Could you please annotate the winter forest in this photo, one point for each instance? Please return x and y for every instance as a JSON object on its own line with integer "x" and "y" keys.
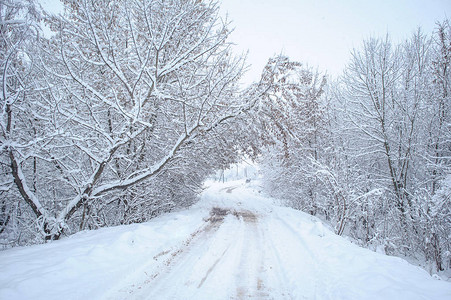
{"x": 128, "y": 106}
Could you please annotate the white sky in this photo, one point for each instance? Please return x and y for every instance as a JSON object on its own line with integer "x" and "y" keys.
{"x": 322, "y": 33}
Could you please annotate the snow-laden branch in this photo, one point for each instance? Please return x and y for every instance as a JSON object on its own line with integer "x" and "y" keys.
{"x": 142, "y": 175}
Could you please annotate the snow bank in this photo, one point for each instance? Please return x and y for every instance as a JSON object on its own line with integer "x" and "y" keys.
{"x": 89, "y": 263}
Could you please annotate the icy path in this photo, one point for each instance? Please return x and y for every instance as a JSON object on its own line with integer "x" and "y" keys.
{"x": 234, "y": 244}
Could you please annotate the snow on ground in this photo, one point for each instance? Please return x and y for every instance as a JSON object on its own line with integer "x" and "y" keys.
{"x": 234, "y": 244}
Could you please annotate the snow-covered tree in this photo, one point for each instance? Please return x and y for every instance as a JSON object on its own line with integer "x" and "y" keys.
{"x": 293, "y": 127}
{"x": 19, "y": 32}
{"x": 369, "y": 153}
{"x": 124, "y": 114}
{"x": 393, "y": 98}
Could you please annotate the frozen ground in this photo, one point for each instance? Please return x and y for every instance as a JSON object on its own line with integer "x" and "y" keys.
{"x": 234, "y": 244}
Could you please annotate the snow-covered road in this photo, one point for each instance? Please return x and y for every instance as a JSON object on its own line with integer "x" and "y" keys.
{"x": 232, "y": 257}
{"x": 234, "y": 244}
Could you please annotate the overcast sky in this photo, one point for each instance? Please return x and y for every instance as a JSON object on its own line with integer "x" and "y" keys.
{"x": 322, "y": 33}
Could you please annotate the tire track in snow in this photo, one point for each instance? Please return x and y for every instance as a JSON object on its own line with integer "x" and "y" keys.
{"x": 212, "y": 268}
{"x": 163, "y": 262}
{"x": 190, "y": 276}
{"x": 327, "y": 287}
{"x": 305, "y": 281}
{"x": 259, "y": 275}
{"x": 249, "y": 282}
{"x": 275, "y": 268}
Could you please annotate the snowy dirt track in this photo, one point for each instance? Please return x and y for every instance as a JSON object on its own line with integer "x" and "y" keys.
{"x": 234, "y": 244}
